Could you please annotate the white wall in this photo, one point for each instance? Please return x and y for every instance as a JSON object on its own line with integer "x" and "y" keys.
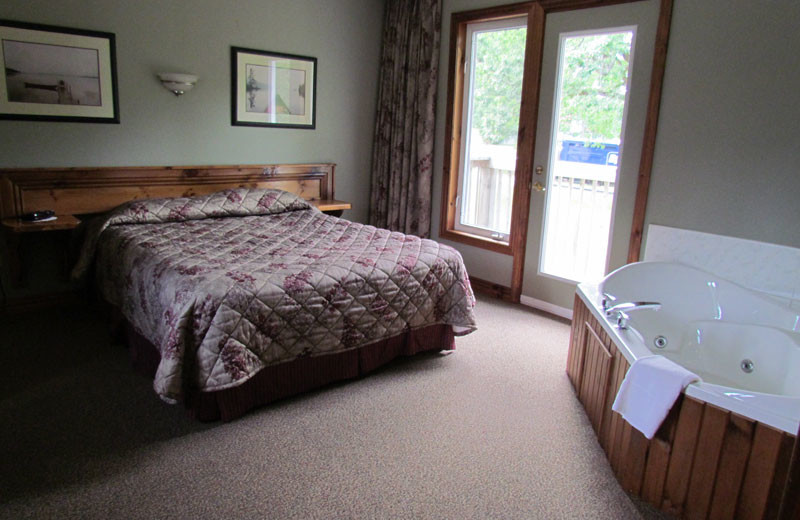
{"x": 179, "y": 36}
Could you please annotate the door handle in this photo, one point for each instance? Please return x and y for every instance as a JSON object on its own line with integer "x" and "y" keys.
{"x": 538, "y": 186}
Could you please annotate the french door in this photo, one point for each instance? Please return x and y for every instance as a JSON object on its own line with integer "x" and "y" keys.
{"x": 595, "y": 81}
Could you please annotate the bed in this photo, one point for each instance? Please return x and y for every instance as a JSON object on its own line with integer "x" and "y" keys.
{"x": 234, "y": 298}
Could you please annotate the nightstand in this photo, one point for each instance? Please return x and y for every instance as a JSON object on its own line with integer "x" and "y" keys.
{"x": 62, "y": 222}
{"x": 15, "y": 228}
{"x": 331, "y": 206}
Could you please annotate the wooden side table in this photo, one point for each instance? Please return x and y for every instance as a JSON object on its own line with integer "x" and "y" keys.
{"x": 62, "y": 222}
{"x": 331, "y": 206}
{"x": 15, "y": 228}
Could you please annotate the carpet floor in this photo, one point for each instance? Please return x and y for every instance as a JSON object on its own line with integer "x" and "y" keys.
{"x": 492, "y": 430}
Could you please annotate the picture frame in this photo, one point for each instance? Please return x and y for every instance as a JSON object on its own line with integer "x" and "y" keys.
{"x": 273, "y": 89}
{"x": 57, "y": 74}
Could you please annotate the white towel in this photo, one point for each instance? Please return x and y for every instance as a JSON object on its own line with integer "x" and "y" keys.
{"x": 649, "y": 390}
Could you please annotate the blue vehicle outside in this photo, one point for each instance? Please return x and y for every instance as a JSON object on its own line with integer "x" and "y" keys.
{"x": 589, "y": 152}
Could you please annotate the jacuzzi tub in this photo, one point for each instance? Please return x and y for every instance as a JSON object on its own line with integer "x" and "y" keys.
{"x": 744, "y": 346}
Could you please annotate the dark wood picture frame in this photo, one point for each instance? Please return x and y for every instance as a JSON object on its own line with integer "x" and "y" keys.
{"x": 259, "y": 97}
{"x": 71, "y": 74}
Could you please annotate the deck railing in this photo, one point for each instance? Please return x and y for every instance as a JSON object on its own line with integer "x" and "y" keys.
{"x": 492, "y": 191}
{"x": 581, "y": 199}
{"x": 579, "y": 219}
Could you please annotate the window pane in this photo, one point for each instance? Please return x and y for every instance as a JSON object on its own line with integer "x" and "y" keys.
{"x": 495, "y": 91}
{"x": 583, "y": 161}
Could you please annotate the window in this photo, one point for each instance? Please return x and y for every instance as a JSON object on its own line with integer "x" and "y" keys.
{"x": 495, "y": 54}
{"x": 487, "y": 61}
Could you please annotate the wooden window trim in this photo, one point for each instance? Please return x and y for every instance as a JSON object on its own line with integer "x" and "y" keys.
{"x": 455, "y": 105}
{"x": 476, "y": 240}
{"x": 536, "y": 12}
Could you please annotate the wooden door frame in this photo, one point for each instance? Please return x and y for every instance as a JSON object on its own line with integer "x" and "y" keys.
{"x": 522, "y": 188}
{"x": 529, "y": 111}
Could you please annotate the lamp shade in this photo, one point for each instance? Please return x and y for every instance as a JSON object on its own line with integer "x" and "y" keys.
{"x": 176, "y": 82}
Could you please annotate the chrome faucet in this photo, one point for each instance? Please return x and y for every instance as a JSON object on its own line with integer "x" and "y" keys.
{"x": 622, "y": 309}
{"x": 607, "y": 300}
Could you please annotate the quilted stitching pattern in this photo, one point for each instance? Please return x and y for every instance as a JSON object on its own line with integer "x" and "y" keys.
{"x": 224, "y": 297}
{"x": 235, "y": 202}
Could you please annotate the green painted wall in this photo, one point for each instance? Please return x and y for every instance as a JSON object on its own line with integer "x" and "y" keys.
{"x": 726, "y": 161}
{"x": 727, "y": 158}
{"x": 195, "y": 36}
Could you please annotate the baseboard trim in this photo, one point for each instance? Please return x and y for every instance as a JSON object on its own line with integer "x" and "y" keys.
{"x": 504, "y": 293}
{"x": 542, "y": 305}
{"x": 490, "y": 288}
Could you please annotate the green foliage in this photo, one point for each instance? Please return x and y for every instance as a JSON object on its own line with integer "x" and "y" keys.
{"x": 497, "y": 84}
{"x": 594, "y": 85}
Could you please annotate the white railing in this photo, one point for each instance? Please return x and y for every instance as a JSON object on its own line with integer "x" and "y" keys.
{"x": 488, "y": 196}
{"x": 578, "y": 221}
{"x": 579, "y": 214}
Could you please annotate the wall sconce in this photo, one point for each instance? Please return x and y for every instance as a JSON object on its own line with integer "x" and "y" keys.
{"x": 177, "y": 83}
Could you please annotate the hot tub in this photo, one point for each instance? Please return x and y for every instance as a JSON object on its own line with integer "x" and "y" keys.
{"x": 722, "y": 452}
{"x": 744, "y": 346}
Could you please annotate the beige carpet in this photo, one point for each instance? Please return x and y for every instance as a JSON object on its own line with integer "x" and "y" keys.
{"x": 490, "y": 431}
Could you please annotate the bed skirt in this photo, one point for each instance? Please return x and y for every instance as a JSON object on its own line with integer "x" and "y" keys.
{"x": 293, "y": 377}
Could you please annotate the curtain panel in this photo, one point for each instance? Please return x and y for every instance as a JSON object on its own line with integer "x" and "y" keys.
{"x": 402, "y": 154}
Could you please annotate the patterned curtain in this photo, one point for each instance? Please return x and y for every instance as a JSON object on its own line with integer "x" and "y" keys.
{"x": 402, "y": 155}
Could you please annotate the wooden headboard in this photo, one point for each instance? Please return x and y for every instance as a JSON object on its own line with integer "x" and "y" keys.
{"x": 81, "y": 191}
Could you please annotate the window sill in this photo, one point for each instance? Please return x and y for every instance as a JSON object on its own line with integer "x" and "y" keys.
{"x": 476, "y": 241}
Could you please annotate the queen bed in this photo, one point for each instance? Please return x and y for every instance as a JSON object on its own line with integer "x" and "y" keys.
{"x": 238, "y": 296}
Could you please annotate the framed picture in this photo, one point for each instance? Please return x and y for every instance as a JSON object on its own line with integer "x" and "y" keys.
{"x": 57, "y": 74}
{"x": 272, "y": 89}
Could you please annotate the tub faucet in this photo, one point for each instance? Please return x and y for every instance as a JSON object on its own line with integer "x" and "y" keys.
{"x": 607, "y": 300}
{"x": 621, "y": 310}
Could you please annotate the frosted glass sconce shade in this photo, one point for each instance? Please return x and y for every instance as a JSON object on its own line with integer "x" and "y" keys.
{"x": 177, "y": 83}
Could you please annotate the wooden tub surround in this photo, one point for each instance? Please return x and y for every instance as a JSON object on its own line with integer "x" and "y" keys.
{"x": 704, "y": 462}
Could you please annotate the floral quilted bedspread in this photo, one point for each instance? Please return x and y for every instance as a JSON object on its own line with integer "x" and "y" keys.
{"x": 228, "y": 283}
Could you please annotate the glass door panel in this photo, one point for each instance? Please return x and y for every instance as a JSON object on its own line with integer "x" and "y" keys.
{"x": 595, "y": 79}
{"x": 589, "y": 112}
